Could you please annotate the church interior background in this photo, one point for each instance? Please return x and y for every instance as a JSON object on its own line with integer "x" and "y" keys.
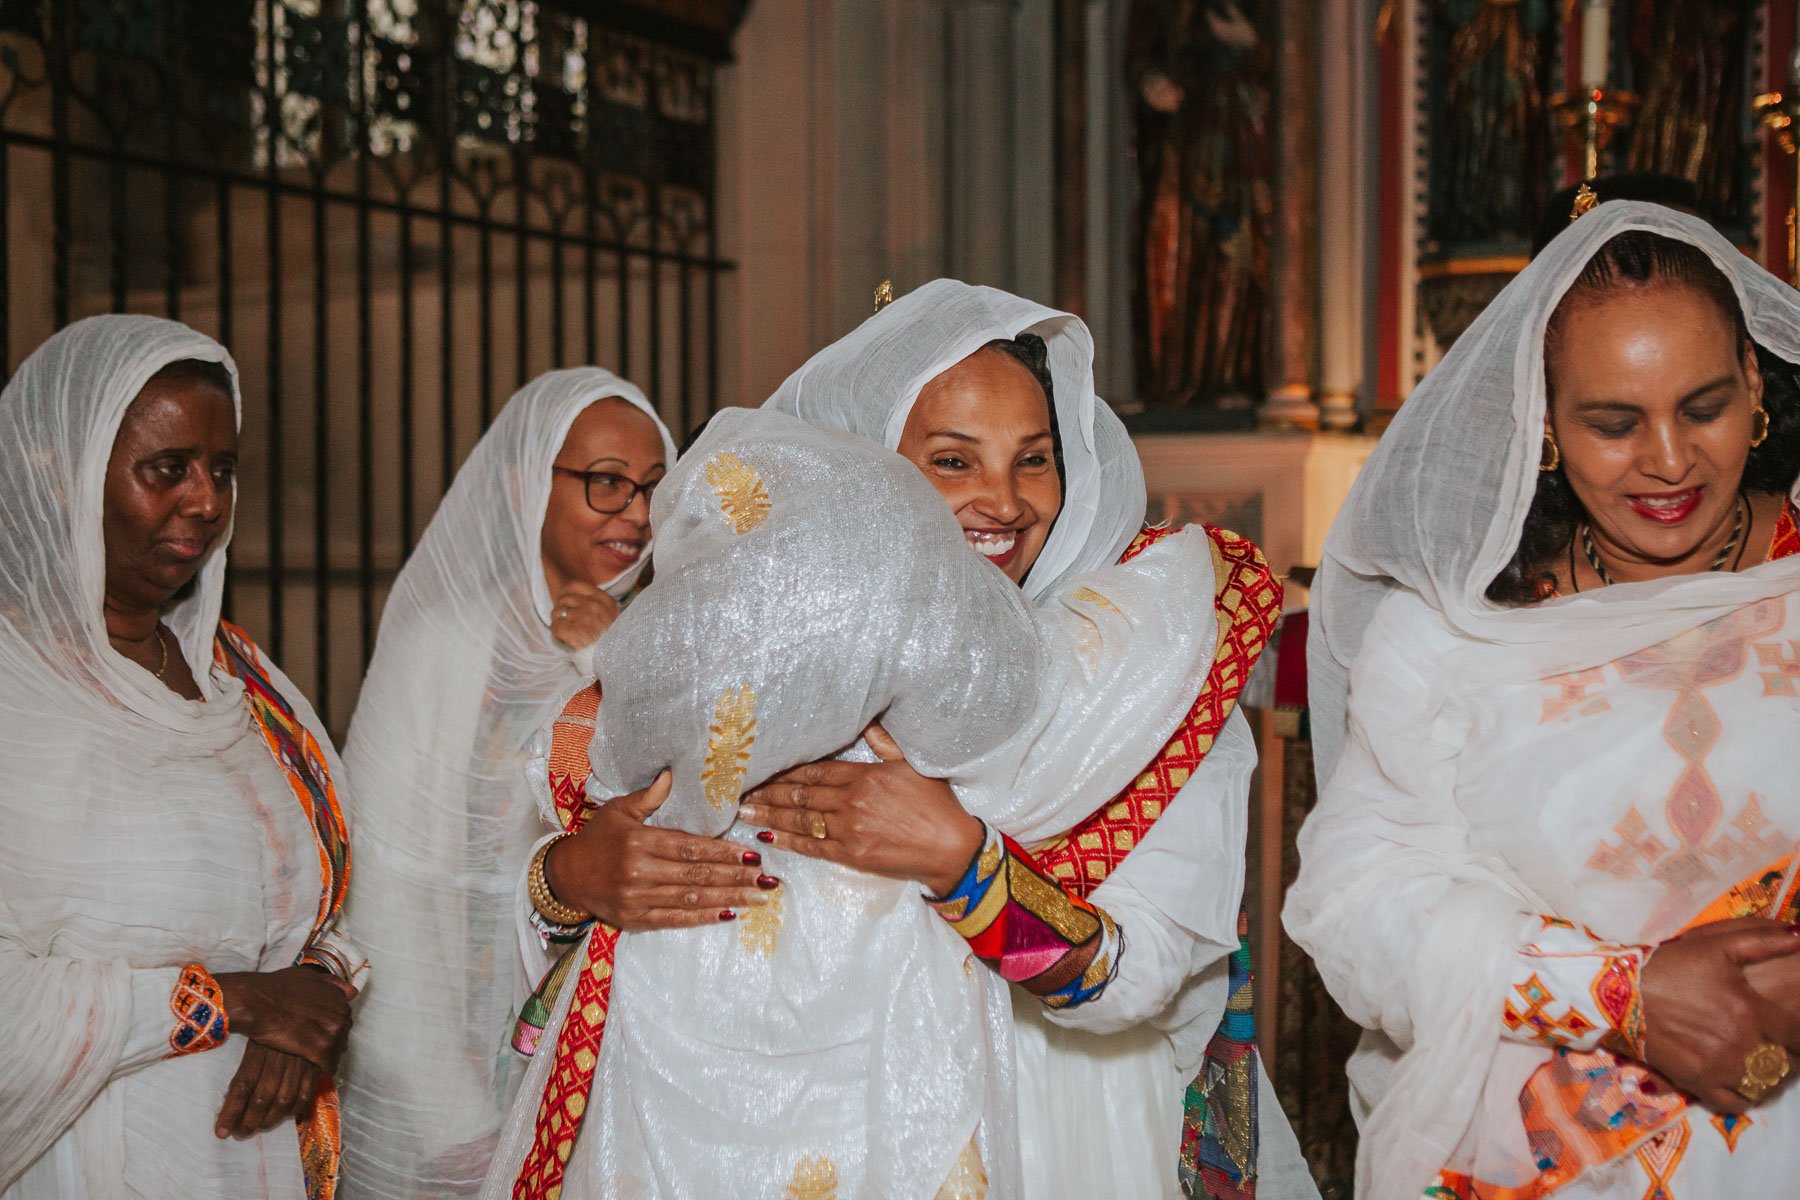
{"x": 1274, "y": 215}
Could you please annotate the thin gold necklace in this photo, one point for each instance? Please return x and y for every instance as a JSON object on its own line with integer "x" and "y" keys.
{"x": 1718, "y": 564}
{"x": 163, "y": 643}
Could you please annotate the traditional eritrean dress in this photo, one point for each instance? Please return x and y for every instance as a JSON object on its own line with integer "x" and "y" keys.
{"x": 447, "y": 744}
{"x": 1181, "y": 892}
{"x": 1520, "y": 803}
{"x": 151, "y": 841}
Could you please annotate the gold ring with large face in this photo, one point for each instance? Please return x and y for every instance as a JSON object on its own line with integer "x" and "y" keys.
{"x": 818, "y": 826}
{"x": 1764, "y": 1067}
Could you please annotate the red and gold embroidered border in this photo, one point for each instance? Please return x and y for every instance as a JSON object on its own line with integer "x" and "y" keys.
{"x": 1247, "y": 598}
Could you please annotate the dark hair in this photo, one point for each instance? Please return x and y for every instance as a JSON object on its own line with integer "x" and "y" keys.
{"x": 692, "y": 437}
{"x": 1638, "y": 258}
{"x": 1030, "y": 352}
{"x": 196, "y": 372}
{"x": 1671, "y": 191}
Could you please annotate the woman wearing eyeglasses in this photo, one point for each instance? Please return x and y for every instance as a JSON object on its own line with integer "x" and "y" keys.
{"x": 484, "y": 641}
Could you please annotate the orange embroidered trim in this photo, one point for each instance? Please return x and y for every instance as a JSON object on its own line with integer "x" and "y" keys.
{"x": 298, "y": 753}
{"x": 1247, "y": 597}
{"x": 199, "y": 1007}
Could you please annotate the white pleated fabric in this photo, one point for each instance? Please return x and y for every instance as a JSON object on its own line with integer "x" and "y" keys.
{"x": 867, "y": 382}
{"x": 1086, "y": 1075}
{"x": 453, "y": 715}
{"x": 1462, "y": 796}
{"x": 143, "y": 831}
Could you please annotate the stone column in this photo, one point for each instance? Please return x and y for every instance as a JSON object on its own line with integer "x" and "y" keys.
{"x": 1343, "y": 170}
{"x": 1294, "y": 261}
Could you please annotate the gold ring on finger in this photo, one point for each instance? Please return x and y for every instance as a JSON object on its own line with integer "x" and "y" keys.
{"x": 1764, "y": 1067}
{"x": 818, "y": 826}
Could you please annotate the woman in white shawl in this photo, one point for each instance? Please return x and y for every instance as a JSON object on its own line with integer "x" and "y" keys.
{"x": 1554, "y": 704}
{"x": 1048, "y": 496}
{"x": 175, "y": 985}
{"x": 486, "y": 637}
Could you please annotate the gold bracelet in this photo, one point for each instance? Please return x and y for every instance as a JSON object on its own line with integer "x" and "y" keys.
{"x": 537, "y": 886}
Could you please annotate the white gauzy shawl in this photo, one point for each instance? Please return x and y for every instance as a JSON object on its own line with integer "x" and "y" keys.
{"x": 143, "y": 831}
{"x": 1116, "y": 1074}
{"x": 464, "y": 685}
{"x": 1449, "y": 793}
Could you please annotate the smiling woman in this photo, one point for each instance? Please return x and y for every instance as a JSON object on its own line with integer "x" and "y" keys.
{"x": 1553, "y": 866}
{"x": 1670, "y": 440}
{"x": 981, "y": 432}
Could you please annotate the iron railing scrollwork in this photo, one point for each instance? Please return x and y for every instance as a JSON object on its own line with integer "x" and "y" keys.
{"x": 394, "y": 212}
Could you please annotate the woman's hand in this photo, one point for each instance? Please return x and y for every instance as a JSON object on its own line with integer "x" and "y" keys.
{"x": 883, "y": 817}
{"x": 635, "y": 877}
{"x": 580, "y": 614}
{"x": 1703, "y": 1017}
{"x": 302, "y": 1011}
{"x": 270, "y": 1087}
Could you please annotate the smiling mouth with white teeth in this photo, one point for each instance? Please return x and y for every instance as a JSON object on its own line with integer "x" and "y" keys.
{"x": 625, "y": 549}
{"x": 995, "y": 545}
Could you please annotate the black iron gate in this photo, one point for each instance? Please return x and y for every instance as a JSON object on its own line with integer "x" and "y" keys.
{"x": 393, "y": 212}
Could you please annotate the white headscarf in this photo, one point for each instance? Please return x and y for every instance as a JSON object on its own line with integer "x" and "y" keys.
{"x": 465, "y": 682}
{"x": 867, "y": 382}
{"x": 143, "y": 830}
{"x": 1440, "y": 506}
{"x": 1431, "y": 521}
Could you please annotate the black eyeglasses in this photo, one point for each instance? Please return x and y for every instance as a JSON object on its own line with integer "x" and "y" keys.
{"x": 609, "y": 493}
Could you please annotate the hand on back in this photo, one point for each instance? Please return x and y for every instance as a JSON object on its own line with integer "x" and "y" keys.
{"x": 634, "y": 876}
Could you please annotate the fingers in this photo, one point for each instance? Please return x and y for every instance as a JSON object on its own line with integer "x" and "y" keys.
{"x": 237, "y": 1094}
{"x": 648, "y": 871}
{"x": 689, "y": 849}
{"x": 824, "y": 849}
{"x": 1755, "y": 945}
{"x": 265, "y": 1090}
{"x": 796, "y": 822}
{"x": 309, "y": 1089}
{"x": 884, "y": 746}
{"x": 708, "y": 900}
{"x": 684, "y": 918}
{"x": 818, "y": 795}
{"x": 827, "y": 772}
{"x": 640, "y": 805}
{"x": 1778, "y": 1025}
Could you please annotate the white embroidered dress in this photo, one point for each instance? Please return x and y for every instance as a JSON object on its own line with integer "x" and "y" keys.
{"x": 143, "y": 831}
{"x": 1617, "y": 759}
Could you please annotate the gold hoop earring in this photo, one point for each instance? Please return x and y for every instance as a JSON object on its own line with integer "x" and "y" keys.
{"x": 1761, "y": 418}
{"x": 1550, "y": 457}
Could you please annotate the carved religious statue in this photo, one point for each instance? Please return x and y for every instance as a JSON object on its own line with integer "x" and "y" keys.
{"x": 1202, "y": 72}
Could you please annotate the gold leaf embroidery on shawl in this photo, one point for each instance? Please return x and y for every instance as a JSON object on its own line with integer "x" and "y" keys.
{"x": 1088, "y": 595}
{"x": 742, "y": 498}
{"x": 968, "y": 1178}
{"x": 760, "y": 923}
{"x": 733, "y": 732}
{"x": 815, "y": 1178}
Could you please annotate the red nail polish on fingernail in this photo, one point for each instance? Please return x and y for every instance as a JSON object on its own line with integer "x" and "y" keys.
{"x": 725, "y": 914}
{"x": 763, "y": 835}
{"x": 752, "y": 859}
{"x": 1648, "y": 1087}
{"x": 767, "y": 883}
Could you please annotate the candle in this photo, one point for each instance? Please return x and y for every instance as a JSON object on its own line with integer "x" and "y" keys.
{"x": 1596, "y": 40}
